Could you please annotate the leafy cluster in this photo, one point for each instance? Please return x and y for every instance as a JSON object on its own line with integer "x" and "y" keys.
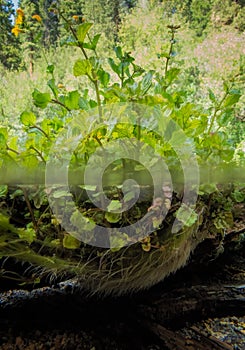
{"x": 119, "y": 80}
{"x": 126, "y": 82}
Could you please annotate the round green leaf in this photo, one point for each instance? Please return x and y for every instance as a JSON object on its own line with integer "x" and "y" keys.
{"x": 28, "y": 118}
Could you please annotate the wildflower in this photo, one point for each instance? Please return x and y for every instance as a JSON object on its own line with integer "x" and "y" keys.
{"x": 16, "y": 30}
{"x": 20, "y": 12}
{"x": 19, "y": 20}
{"x": 75, "y": 17}
{"x": 20, "y": 16}
{"x": 99, "y": 135}
{"x": 37, "y": 17}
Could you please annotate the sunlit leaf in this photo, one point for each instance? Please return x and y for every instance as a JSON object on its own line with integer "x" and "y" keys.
{"x": 82, "y": 31}
{"x": 70, "y": 242}
{"x": 82, "y": 67}
{"x": 28, "y": 118}
{"x": 114, "y": 206}
{"x": 231, "y": 100}
{"x": 113, "y": 217}
{"x": 41, "y": 99}
{"x": 186, "y": 215}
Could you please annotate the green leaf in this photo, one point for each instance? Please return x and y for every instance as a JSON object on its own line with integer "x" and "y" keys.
{"x": 16, "y": 193}
{"x": 81, "y": 222}
{"x": 207, "y": 188}
{"x": 118, "y": 51}
{"x": 231, "y": 100}
{"x": 72, "y": 100}
{"x": 82, "y": 67}
{"x": 89, "y": 187}
{"x": 114, "y": 66}
{"x": 4, "y": 132}
{"x": 153, "y": 100}
{"x": 28, "y": 118}
{"x": 3, "y": 190}
{"x": 51, "y": 84}
{"x": 82, "y": 31}
{"x": 27, "y": 234}
{"x": 104, "y": 77}
{"x": 147, "y": 81}
{"x": 178, "y": 138}
{"x": 172, "y": 74}
{"x": 118, "y": 241}
{"x": 114, "y": 206}
{"x": 211, "y": 95}
{"x": 225, "y": 86}
{"x": 61, "y": 194}
{"x": 83, "y": 103}
{"x": 41, "y": 99}
{"x": 70, "y": 242}
{"x": 225, "y": 117}
{"x": 2, "y": 141}
{"x": 93, "y": 44}
{"x": 113, "y": 217}
{"x": 50, "y": 69}
{"x": 138, "y": 71}
{"x": 157, "y": 221}
{"x": 186, "y": 215}
{"x": 70, "y": 41}
{"x": 238, "y": 196}
{"x": 163, "y": 54}
{"x": 129, "y": 196}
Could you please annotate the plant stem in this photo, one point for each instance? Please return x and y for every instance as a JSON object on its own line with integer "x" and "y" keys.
{"x": 216, "y": 110}
{"x": 91, "y": 43}
{"x": 94, "y": 79}
{"x": 170, "y": 51}
{"x": 173, "y": 29}
{"x": 40, "y": 129}
{"x": 138, "y": 129}
{"x": 60, "y": 104}
{"x": 29, "y": 208}
{"x": 99, "y": 142}
{"x": 98, "y": 98}
{"x": 12, "y": 150}
{"x": 38, "y": 153}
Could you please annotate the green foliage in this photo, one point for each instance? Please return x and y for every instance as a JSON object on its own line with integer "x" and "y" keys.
{"x": 132, "y": 83}
{"x": 95, "y": 84}
{"x": 200, "y": 15}
{"x": 187, "y": 215}
{"x": 230, "y": 13}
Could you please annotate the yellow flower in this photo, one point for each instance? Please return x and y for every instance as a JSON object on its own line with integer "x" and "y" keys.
{"x": 16, "y": 30}
{"x": 20, "y": 12}
{"x": 99, "y": 135}
{"x": 75, "y": 17}
{"x": 19, "y": 20}
{"x": 20, "y": 16}
{"x": 37, "y": 17}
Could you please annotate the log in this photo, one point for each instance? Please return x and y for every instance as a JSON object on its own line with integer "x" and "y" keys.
{"x": 170, "y": 303}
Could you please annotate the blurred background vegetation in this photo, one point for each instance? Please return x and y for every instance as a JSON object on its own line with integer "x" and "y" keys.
{"x": 209, "y": 48}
